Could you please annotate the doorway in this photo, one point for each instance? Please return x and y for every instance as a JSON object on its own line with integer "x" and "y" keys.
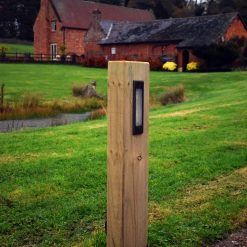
{"x": 186, "y": 59}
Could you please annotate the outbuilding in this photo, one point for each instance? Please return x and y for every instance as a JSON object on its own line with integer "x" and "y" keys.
{"x": 158, "y": 41}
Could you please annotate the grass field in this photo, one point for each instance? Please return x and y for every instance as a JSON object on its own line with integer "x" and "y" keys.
{"x": 56, "y": 81}
{"x": 53, "y": 181}
{"x": 51, "y": 81}
{"x": 17, "y": 48}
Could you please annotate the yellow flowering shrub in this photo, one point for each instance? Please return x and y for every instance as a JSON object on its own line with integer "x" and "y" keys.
{"x": 170, "y": 66}
{"x": 3, "y": 51}
{"x": 193, "y": 66}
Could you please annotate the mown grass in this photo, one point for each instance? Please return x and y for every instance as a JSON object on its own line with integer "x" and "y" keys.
{"x": 17, "y": 48}
{"x": 56, "y": 81}
{"x": 53, "y": 181}
{"x": 52, "y": 82}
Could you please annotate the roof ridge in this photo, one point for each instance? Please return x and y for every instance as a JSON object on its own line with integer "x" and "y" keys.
{"x": 201, "y": 16}
{"x": 177, "y": 18}
{"x": 119, "y": 6}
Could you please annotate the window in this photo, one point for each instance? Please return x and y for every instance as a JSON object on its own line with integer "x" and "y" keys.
{"x": 113, "y": 50}
{"x": 53, "y": 26}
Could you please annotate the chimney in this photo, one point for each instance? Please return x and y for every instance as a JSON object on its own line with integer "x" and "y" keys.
{"x": 95, "y": 32}
{"x": 96, "y": 16}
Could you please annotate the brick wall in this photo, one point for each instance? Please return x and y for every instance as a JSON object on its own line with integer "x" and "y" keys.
{"x": 41, "y": 29}
{"x": 43, "y": 35}
{"x": 74, "y": 41}
{"x": 236, "y": 28}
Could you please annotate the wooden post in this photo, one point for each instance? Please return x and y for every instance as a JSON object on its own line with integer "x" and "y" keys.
{"x": 2, "y": 98}
{"x": 127, "y": 170}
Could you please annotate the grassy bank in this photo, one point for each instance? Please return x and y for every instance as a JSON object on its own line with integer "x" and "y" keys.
{"x": 53, "y": 181}
{"x": 17, "y": 48}
{"x": 52, "y": 82}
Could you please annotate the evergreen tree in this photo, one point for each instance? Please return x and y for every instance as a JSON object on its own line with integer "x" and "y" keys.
{"x": 17, "y": 18}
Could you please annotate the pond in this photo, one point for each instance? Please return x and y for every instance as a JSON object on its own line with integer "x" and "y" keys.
{"x": 61, "y": 119}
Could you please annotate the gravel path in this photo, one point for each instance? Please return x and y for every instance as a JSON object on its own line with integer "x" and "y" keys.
{"x": 61, "y": 119}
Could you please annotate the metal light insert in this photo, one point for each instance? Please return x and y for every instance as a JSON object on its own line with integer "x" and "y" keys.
{"x": 138, "y": 100}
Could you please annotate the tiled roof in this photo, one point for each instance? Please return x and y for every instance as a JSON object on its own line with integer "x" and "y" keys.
{"x": 186, "y": 32}
{"x": 78, "y": 13}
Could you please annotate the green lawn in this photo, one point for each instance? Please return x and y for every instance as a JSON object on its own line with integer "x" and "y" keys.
{"x": 56, "y": 81}
{"x": 53, "y": 181}
{"x": 17, "y": 48}
{"x": 51, "y": 81}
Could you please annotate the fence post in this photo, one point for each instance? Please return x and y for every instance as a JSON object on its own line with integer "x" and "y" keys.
{"x": 2, "y": 98}
{"x": 127, "y": 169}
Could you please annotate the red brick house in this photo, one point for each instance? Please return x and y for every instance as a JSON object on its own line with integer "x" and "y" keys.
{"x": 64, "y": 23}
{"x": 173, "y": 39}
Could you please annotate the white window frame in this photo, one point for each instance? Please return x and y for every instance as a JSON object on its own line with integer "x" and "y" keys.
{"x": 53, "y": 50}
{"x": 113, "y": 50}
{"x": 53, "y": 26}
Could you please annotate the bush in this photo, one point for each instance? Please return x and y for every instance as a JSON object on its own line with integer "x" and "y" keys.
{"x": 3, "y": 51}
{"x": 89, "y": 62}
{"x": 100, "y": 62}
{"x": 174, "y": 95}
{"x": 193, "y": 66}
{"x": 221, "y": 55}
{"x": 62, "y": 49}
{"x": 170, "y": 66}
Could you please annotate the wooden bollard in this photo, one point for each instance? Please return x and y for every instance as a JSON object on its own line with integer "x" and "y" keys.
{"x": 127, "y": 170}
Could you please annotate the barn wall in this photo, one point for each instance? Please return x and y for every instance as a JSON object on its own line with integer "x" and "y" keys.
{"x": 135, "y": 52}
{"x": 236, "y": 29}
